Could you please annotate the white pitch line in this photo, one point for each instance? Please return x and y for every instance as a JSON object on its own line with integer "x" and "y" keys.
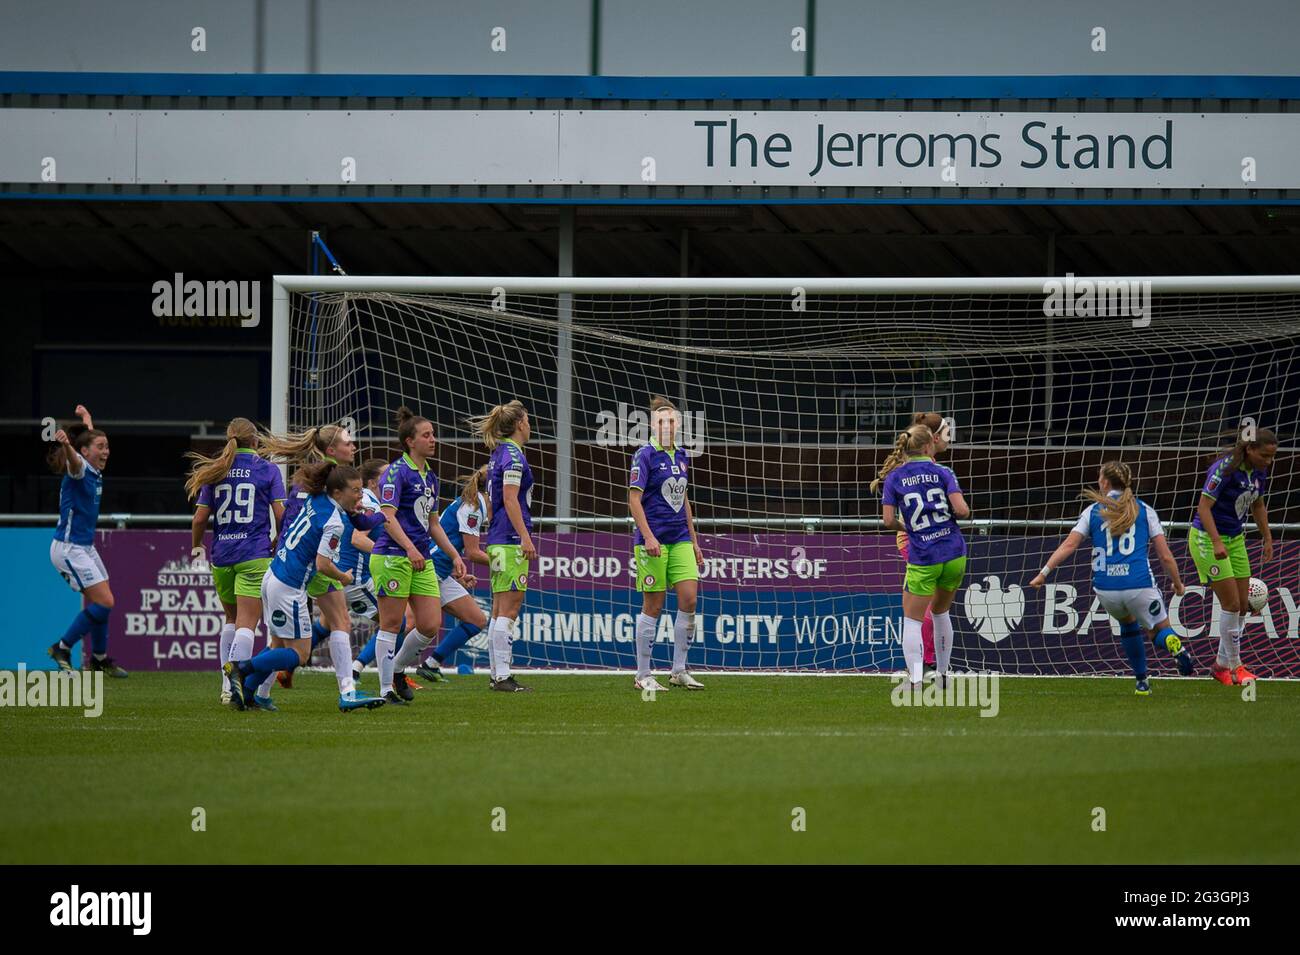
{"x": 574, "y": 730}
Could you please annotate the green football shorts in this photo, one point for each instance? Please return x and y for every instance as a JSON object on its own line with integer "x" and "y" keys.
{"x": 1236, "y": 564}
{"x": 240, "y": 580}
{"x": 393, "y": 576}
{"x": 509, "y": 568}
{"x": 923, "y": 581}
{"x": 675, "y": 563}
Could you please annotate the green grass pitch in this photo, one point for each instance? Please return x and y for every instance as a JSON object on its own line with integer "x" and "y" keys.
{"x": 588, "y": 772}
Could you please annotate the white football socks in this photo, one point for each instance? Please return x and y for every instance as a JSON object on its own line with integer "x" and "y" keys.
{"x": 341, "y": 657}
{"x": 241, "y": 648}
{"x": 264, "y": 691}
{"x": 914, "y": 648}
{"x": 492, "y": 653}
{"x": 1229, "y": 639}
{"x": 501, "y": 627}
{"x": 683, "y": 634}
{"x": 412, "y": 647}
{"x": 942, "y": 641}
{"x": 385, "y": 649}
{"x": 223, "y": 652}
{"x": 645, "y": 639}
{"x": 1239, "y": 627}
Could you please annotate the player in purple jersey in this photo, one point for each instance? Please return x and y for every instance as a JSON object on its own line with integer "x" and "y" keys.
{"x": 1233, "y": 491}
{"x": 399, "y": 564}
{"x": 509, "y": 542}
{"x": 246, "y": 492}
{"x": 80, "y": 455}
{"x": 936, "y": 423}
{"x": 922, "y": 498}
{"x": 665, "y": 547}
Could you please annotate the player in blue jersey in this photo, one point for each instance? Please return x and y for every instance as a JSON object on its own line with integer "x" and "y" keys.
{"x": 664, "y": 544}
{"x": 505, "y": 430}
{"x": 361, "y": 598}
{"x": 1122, "y": 529}
{"x": 308, "y": 546}
{"x": 463, "y": 521}
{"x": 404, "y": 576}
{"x": 1233, "y": 491}
{"x": 923, "y": 498}
{"x": 80, "y": 455}
{"x": 331, "y": 442}
{"x": 246, "y": 492}
{"x": 331, "y": 598}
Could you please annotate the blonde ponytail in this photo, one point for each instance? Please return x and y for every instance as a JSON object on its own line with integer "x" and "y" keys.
{"x": 1119, "y": 513}
{"x": 472, "y": 487}
{"x": 303, "y": 447}
{"x": 240, "y": 433}
{"x": 910, "y": 442}
{"x": 499, "y": 423}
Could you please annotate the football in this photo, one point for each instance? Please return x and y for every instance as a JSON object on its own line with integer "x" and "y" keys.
{"x": 1257, "y": 595}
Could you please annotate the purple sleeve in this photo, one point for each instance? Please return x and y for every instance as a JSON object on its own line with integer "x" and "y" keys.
{"x": 1213, "y": 480}
{"x": 205, "y": 496}
{"x": 366, "y": 521}
{"x": 891, "y": 491}
{"x": 390, "y": 488}
{"x": 640, "y": 473}
{"x": 950, "y": 484}
{"x": 277, "y": 484}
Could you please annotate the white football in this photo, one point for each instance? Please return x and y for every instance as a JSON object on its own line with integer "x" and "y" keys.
{"x": 1257, "y": 595}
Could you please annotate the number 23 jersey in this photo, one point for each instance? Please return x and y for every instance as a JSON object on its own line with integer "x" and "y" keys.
{"x": 920, "y": 489}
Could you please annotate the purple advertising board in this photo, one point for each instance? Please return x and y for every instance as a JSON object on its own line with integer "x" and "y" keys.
{"x": 767, "y": 601}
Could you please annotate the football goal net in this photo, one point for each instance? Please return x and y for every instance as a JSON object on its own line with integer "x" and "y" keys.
{"x": 791, "y": 394}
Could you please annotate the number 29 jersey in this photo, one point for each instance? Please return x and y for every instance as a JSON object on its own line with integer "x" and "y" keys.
{"x": 241, "y": 505}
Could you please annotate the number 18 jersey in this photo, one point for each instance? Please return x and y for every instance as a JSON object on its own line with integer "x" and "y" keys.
{"x": 1119, "y": 563}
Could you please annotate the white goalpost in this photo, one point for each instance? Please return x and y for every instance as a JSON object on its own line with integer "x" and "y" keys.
{"x": 792, "y": 392}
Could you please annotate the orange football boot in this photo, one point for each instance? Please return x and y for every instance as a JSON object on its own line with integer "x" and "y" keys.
{"x": 1223, "y": 674}
{"x": 1243, "y": 676}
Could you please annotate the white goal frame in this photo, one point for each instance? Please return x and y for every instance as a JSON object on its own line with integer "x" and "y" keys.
{"x": 283, "y": 285}
{"x": 567, "y": 331}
